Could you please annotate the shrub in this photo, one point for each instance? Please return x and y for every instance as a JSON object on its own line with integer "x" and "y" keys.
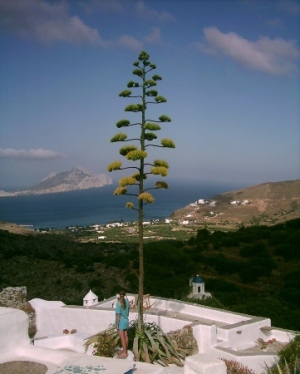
{"x": 105, "y": 345}
{"x": 288, "y": 359}
{"x": 290, "y": 352}
{"x": 288, "y": 251}
{"x": 286, "y": 369}
{"x": 254, "y": 250}
{"x": 95, "y": 282}
{"x": 234, "y": 367}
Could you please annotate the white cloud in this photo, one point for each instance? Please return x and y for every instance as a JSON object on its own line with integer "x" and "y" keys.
{"x": 46, "y": 22}
{"x": 276, "y": 56}
{"x": 32, "y": 154}
{"x": 145, "y": 12}
{"x": 128, "y": 42}
{"x": 154, "y": 37}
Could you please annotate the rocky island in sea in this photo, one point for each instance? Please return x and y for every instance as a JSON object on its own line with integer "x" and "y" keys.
{"x": 78, "y": 178}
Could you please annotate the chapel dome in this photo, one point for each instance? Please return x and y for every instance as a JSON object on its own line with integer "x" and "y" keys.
{"x": 197, "y": 279}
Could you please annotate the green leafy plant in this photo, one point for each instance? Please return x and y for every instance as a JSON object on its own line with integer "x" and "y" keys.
{"x": 291, "y": 351}
{"x": 285, "y": 369}
{"x": 153, "y": 345}
{"x": 288, "y": 359}
{"x": 104, "y": 343}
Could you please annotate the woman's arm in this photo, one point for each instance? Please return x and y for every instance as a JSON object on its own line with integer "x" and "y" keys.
{"x": 118, "y": 316}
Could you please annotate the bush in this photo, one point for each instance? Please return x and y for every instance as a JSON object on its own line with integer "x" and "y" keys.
{"x": 287, "y": 369}
{"x": 95, "y": 282}
{"x": 225, "y": 266}
{"x": 254, "y": 250}
{"x": 288, "y": 359}
{"x": 288, "y": 251}
{"x": 290, "y": 352}
{"x": 234, "y": 367}
{"x": 105, "y": 345}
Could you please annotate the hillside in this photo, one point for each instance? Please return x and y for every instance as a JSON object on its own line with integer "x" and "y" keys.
{"x": 254, "y": 270}
{"x": 267, "y": 203}
{"x": 76, "y": 179}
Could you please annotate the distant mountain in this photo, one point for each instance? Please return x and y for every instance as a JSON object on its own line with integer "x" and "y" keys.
{"x": 266, "y": 203}
{"x": 76, "y": 179}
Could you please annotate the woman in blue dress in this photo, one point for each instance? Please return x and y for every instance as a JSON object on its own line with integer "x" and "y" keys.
{"x": 122, "y": 322}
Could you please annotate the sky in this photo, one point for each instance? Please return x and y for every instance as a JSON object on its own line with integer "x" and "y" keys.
{"x": 230, "y": 74}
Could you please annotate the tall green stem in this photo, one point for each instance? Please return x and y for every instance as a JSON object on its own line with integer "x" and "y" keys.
{"x": 141, "y": 227}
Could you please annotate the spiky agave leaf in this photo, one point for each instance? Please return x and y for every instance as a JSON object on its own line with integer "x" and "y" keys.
{"x": 145, "y": 350}
{"x": 135, "y": 348}
{"x": 176, "y": 361}
{"x": 172, "y": 346}
{"x": 162, "y": 342}
{"x": 154, "y": 345}
{"x": 91, "y": 340}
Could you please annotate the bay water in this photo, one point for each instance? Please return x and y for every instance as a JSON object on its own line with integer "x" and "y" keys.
{"x": 100, "y": 206}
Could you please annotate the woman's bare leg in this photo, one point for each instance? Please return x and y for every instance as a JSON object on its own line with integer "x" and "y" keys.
{"x": 124, "y": 342}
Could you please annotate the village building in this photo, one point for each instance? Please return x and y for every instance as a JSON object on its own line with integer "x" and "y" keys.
{"x": 62, "y": 330}
{"x": 90, "y": 299}
{"x": 198, "y": 288}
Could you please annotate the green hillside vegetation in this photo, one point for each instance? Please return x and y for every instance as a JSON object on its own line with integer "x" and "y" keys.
{"x": 254, "y": 270}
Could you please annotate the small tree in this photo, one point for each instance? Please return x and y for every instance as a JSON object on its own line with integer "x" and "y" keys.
{"x": 138, "y": 152}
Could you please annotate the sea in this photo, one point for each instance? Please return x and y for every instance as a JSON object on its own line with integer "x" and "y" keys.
{"x": 101, "y": 206}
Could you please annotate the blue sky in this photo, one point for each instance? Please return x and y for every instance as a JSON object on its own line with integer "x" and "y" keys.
{"x": 230, "y": 74}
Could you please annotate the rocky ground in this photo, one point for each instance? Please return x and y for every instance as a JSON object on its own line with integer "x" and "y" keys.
{"x": 267, "y": 204}
{"x": 22, "y": 367}
{"x": 16, "y": 229}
